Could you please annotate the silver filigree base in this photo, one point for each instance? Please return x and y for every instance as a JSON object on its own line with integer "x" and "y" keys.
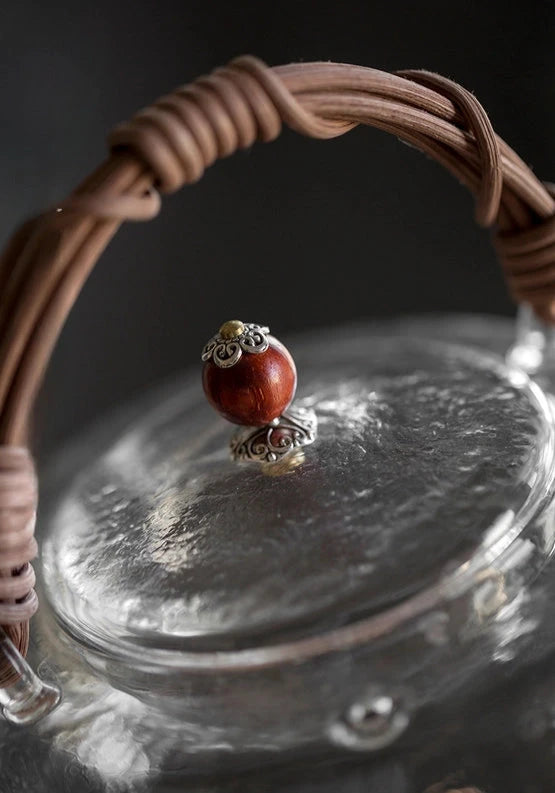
{"x": 295, "y": 428}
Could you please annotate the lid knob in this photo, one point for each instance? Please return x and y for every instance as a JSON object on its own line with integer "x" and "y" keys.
{"x": 250, "y": 378}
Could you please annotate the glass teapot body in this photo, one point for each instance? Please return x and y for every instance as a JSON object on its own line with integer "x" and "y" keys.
{"x": 200, "y": 611}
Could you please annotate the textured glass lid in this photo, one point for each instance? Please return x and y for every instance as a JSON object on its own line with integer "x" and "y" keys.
{"x": 421, "y": 447}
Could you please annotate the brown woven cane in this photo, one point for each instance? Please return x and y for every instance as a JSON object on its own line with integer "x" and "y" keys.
{"x": 169, "y": 144}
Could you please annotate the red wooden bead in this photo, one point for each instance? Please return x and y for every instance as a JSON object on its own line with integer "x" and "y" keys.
{"x": 256, "y": 389}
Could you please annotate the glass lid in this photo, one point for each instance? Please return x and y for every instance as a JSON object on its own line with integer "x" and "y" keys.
{"x": 426, "y": 454}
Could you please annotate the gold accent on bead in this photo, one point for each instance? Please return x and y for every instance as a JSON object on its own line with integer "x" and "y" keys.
{"x": 231, "y": 329}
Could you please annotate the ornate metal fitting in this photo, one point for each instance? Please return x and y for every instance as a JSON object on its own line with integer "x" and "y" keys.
{"x": 295, "y": 428}
{"x": 232, "y": 340}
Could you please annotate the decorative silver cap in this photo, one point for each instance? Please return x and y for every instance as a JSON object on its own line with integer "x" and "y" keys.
{"x": 232, "y": 340}
{"x": 296, "y": 427}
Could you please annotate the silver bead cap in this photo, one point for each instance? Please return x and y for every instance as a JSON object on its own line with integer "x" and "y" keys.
{"x": 225, "y": 351}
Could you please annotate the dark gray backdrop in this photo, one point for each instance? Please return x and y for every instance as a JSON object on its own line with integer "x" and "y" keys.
{"x": 357, "y": 212}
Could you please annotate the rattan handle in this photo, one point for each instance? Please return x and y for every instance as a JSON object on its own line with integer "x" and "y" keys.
{"x": 170, "y": 144}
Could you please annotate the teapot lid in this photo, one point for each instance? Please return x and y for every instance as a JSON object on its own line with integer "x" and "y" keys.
{"x": 426, "y": 452}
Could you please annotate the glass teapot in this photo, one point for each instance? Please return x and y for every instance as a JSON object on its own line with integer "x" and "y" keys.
{"x": 200, "y": 613}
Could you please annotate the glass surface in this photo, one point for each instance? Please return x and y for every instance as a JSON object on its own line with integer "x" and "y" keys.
{"x": 426, "y": 453}
{"x": 420, "y": 663}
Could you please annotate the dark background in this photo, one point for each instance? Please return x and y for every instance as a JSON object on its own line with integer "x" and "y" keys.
{"x": 297, "y": 234}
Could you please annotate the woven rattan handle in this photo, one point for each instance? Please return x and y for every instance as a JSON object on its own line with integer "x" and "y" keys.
{"x": 170, "y": 144}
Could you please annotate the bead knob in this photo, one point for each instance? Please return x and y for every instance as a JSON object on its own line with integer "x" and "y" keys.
{"x": 249, "y": 377}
